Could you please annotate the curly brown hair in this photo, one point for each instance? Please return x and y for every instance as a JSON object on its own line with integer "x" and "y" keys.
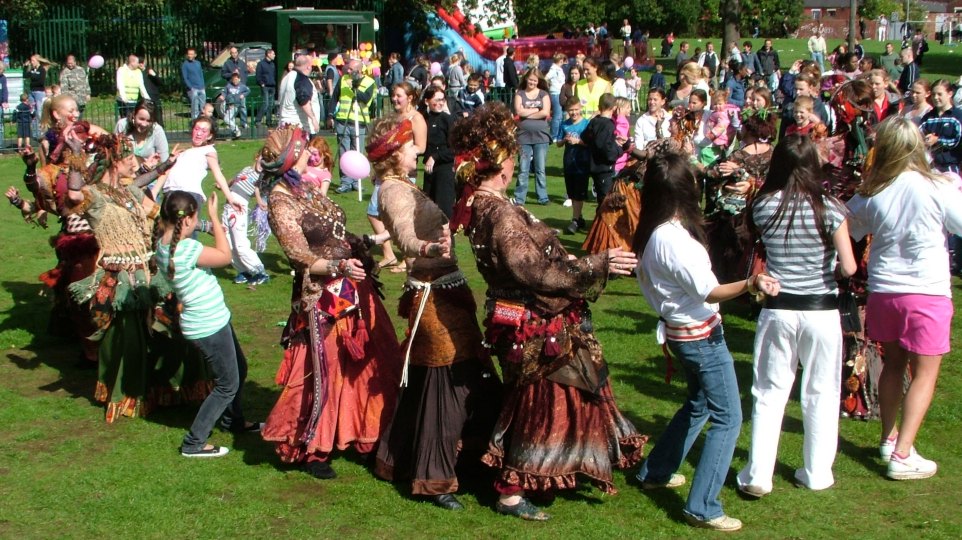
{"x": 391, "y": 165}
{"x": 486, "y": 137}
{"x": 760, "y": 128}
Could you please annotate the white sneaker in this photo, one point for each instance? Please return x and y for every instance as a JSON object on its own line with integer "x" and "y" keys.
{"x": 755, "y": 492}
{"x": 674, "y": 481}
{"x": 721, "y": 523}
{"x": 914, "y": 467}
{"x": 887, "y": 447}
{"x": 567, "y": 203}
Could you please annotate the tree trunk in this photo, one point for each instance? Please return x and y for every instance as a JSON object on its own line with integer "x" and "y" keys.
{"x": 730, "y": 18}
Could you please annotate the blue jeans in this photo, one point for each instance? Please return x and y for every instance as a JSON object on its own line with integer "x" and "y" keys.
{"x": 712, "y": 396}
{"x": 267, "y": 107}
{"x": 556, "y": 116}
{"x": 345, "y": 142}
{"x": 37, "y": 98}
{"x": 538, "y": 153}
{"x": 819, "y": 58}
{"x": 228, "y": 364}
{"x": 197, "y": 97}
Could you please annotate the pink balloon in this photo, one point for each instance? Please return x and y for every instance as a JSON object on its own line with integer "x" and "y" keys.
{"x": 355, "y": 165}
{"x": 96, "y": 62}
{"x": 629, "y": 61}
{"x": 435, "y": 69}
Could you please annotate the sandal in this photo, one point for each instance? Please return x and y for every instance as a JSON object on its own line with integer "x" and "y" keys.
{"x": 387, "y": 263}
{"x": 523, "y": 510}
{"x": 400, "y": 268}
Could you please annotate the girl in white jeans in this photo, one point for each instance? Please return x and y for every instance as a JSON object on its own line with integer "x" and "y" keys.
{"x": 802, "y": 229}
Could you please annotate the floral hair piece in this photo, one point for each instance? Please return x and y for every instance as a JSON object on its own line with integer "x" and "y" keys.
{"x": 388, "y": 143}
{"x": 762, "y": 114}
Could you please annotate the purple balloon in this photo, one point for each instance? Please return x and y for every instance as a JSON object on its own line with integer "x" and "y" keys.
{"x": 629, "y": 61}
{"x": 435, "y": 69}
{"x": 355, "y": 165}
{"x": 96, "y": 62}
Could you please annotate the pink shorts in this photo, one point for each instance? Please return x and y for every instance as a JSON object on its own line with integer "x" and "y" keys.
{"x": 919, "y": 323}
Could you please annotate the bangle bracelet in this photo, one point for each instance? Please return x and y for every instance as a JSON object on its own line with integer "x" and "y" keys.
{"x": 16, "y": 201}
{"x": 751, "y": 284}
{"x": 333, "y": 266}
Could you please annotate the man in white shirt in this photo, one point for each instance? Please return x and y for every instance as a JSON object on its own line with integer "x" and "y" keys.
{"x": 817, "y": 48}
{"x": 297, "y": 98}
{"x": 882, "y": 30}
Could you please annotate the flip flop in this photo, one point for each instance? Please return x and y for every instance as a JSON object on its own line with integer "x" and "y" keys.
{"x": 387, "y": 263}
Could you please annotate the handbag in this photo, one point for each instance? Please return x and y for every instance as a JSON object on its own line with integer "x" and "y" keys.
{"x": 508, "y": 313}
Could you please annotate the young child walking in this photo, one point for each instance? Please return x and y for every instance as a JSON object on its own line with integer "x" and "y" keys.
{"x": 23, "y": 115}
{"x": 205, "y": 319}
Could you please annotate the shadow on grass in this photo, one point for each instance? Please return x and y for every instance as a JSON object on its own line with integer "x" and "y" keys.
{"x": 51, "y": 343}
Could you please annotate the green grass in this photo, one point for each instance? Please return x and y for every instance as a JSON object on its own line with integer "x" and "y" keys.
{"x": 65, "y": 473}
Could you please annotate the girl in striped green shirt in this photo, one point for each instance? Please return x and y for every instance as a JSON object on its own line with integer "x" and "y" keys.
{"x": 205, "y": 319}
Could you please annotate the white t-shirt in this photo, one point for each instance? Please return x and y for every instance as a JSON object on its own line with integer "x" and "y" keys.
{"x": 646, "y": 129}
{"x": 288, "y": 109}
{"x": 908, "y": 222}
{"x": 189, "y": 171}
{"x": 619, "y": 88}
{"x": 676, "y": 276}
{"x": 556, "y": 79}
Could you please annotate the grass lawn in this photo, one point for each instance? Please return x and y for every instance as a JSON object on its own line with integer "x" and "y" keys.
{"x": 65, "y": 473}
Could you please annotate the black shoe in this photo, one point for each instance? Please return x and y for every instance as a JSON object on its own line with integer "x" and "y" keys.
{"x": 320, "y": 469}
{"x": 447, "y": 501}
{"x": 254, "y": 427}
{"x": 582, "y": 224}
{"x": 572, "y": 227}
{"x": 212, "y": 452}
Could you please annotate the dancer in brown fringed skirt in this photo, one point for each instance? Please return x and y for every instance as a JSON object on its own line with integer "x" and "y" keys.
{"x": 451, "y": 394}
{"x": 559, "y": 419}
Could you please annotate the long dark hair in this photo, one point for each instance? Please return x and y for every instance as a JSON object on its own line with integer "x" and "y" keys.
{"x": 177, "y": 206}
{"x": 669, "y": 191}
{"x": 797, "y": 178}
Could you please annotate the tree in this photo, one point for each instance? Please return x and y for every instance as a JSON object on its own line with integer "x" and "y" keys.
{"x": 730, "y": 20}
{"x": 536, "y": 16}
{"x": 770, "y": 14}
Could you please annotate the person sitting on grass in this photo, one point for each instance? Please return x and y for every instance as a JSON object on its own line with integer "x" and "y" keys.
{"x": 205, "y": 319}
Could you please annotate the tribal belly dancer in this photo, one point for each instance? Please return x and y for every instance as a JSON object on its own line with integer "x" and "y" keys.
{"x": 133, "y": 375}
{"x": 559, "y": 418}
{"x": 451, "y": 393}
{"x": 342, "y": 360}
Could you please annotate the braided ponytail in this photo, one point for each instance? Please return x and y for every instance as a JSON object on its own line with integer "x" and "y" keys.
{"x": 174, "y": 239}
{"x": 177, "y": 206}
